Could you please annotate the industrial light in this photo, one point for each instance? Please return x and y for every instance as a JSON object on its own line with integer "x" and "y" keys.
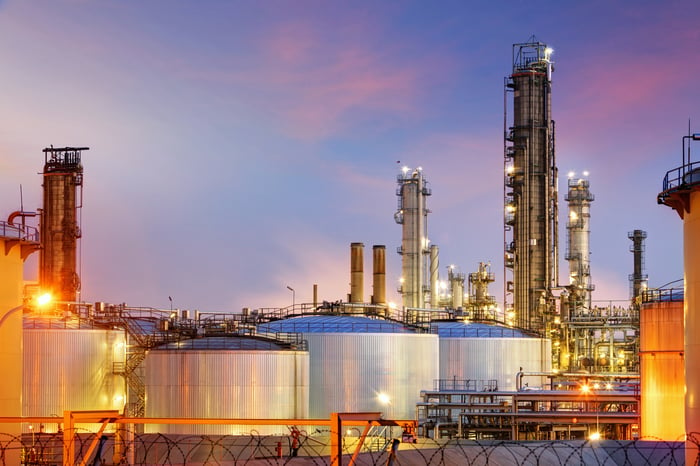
{"x": 585, "y": 173}
{"x": 383, "y": 398}
{"x": 608, "y": 386}
{"x": 43, "y": 299}
{"x": 571, "y": 174}
{"x": 573, "y": 215}
{"x": 585, "y": 388}
{"x": 548, "y": 51}
{"x": 594, "y": 436}
{"x": 405, "y": 169}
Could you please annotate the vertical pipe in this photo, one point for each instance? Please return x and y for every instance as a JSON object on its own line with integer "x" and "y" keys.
{"x": 356, "y": 273}
{"x": 434, "y": 267}
{"x": 379, "y": 274}
{"x": 315, "y": 294}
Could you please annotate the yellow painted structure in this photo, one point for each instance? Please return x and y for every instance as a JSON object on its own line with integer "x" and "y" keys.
{"x": 662, "y": 378}
{"x": 681, "y": 192}
{"x": 691, "y": 260}
{"x": 13, "y": 251}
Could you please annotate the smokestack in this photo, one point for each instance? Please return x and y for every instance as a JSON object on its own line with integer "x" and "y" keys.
{"x": 379, "y": 274}
{"x": 356, "y": 273}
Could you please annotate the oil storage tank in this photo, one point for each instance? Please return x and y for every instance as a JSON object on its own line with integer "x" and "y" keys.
{"x": 232, "y": 377}
{"x": 359, "y": 363}
{"x": 483, "y": 352}
{"x": 68, "y": 365}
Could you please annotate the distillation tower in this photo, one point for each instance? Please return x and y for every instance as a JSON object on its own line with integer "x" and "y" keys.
{"x": 59, "y": 227}
{"x": 530, "y": 190}
{"x": 412, "y": 215}
{"x": 578, "y": 252}
{"x": 638, "y": 279}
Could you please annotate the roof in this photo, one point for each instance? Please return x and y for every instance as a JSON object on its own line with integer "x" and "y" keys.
{"x": 454, "y": 329}
{"x": 222, "y": 343}
{"x": 334, "y": 324}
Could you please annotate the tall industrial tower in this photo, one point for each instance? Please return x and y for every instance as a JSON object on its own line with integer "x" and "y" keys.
{"x": 578, "y": 251}
{"x": 59, "y": 225}
{"x": 412, "y": 214}
{"x": 638, "y": 280}
{"x": 530, "y": 190}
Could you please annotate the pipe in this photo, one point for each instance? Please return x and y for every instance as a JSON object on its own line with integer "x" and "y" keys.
{"x": 434, "y": 266}
{"x": 19, "y": 213}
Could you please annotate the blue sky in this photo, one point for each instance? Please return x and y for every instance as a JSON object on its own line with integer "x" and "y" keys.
{"x": 237, "y": 148}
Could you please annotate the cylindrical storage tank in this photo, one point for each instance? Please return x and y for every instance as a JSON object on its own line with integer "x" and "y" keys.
{"x": 485, "y": 352}
{"x": 681, "y": 192}
{"x": 661, "y": 365}
{"x": 225, "y": 377}
{"x": 358, "y": 364}
{"x": 69, "y": 367}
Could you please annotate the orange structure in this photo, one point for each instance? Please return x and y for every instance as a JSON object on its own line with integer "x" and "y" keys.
{"x": 681, "y": 192}
{"x": 661, "y": 360}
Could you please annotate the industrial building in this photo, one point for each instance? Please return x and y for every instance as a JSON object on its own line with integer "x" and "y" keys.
{"x": 552, "y": 364}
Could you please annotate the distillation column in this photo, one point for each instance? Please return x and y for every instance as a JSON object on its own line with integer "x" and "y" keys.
{"x": 681, "y": 192}
{"x": 638, "y": 279}
{"x": 531, "y": 189}
{"x": 60, "y": 228}
{"x": 412, "y": 214}
{"x": 578, "y": 253}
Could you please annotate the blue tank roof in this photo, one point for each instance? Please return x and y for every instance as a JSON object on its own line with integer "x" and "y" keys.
{"x": 334, "y": 324}
{"x": 221, "y": 343}
{"x": 453, "y": 329}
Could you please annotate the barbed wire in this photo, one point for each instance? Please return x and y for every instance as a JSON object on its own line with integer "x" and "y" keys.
{"x": 158, "y": 449}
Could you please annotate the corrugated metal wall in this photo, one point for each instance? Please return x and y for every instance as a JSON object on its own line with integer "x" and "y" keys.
{"x": 494, "y": 358}
{"x": 71, "y": 370}
{"x": 350, "y": 370}
{"x": 226, "y": 384}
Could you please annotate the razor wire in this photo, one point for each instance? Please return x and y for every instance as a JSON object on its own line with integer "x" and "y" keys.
{"x": 44, "y": 449}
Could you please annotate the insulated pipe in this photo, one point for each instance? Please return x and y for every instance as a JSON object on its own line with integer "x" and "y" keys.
{"x": 434, "y": 266}
{"x": 356, "y": 272}
{"x": 379, "y": 274}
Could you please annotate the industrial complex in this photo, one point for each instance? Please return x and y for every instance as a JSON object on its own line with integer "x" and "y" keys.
{"x": 543, "y": 361}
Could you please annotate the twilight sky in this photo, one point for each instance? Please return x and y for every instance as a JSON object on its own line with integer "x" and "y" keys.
{"x": 239, "y": 147}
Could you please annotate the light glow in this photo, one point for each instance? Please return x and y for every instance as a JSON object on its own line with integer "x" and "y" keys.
{"x": 383, "y": 398}
{"x": 44, "y": 299}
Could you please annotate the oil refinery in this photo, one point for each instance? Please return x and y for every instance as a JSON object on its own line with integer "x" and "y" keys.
{"x": 547, "y": 363}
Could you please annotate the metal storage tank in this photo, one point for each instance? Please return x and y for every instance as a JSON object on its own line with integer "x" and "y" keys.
{"x": 225, "y": 377}
{"x": 363, "y": 364}
{"x": 482, "y": 352}
{"x": 68, "y": 365}
{"x": 661, "y": 359}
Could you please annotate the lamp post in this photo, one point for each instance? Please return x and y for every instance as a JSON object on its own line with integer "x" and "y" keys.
{"x": 294, "y": 299}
